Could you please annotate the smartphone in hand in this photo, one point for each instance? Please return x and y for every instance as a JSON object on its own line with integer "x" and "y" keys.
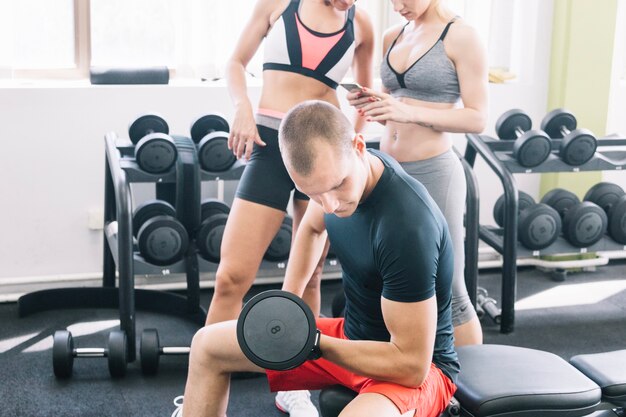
{"x": 351, "y": 86}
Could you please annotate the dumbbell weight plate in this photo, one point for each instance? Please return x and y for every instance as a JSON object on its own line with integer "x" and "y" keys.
{"x": 213, "y": 152}
{"x": 524, "y": 201}
{"x": 276, "y": 330}
{"x": 532, "y": 148}
{"x": 211, "y": 206}
{"x": 146, "y": 124}
{"x": 117, "y": 353}
{"x": 510, "y": 121}
{"x": 604, "y": 194}
{"x": 617, "y": 223}
{"x": 539, "y": 226}
{"x": 62, "y": 354}
{"x": 149, "y": 351}
{"x": 156, "y": 153}
{"x": 561, "y": 200}
{"x": 281, "y": 244}
{"x": 149, "y": 209}
{"x": 209, "y": 123}
{"x": 584, "y": 224}
{"x": 578, "y": 147}
{"x": 209, "y": 237}
{"x": 162, "y": 240}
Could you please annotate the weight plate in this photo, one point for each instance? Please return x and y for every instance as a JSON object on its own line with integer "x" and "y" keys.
{"x": 578, "y": 147}
{"x": 206, "y": 124}
{"x": 584, "y": 224}
{"x": 149, "y": 351}
{"x": 276, "y": 330}
{"x": 214, "y": 154}
{"x": 162, "y": 240}
{"x": 116, "y": 353}
{"x": 209, "y": 237}
{"x": 561, "y": 200}
{"x": 281, "y": 244}
{"x": 156, "y": 153}
{"x": 146, "y": 124}
{"x": 604, "y": 194}
{"x": 617, "y": 220}
{"x": 511, "y": 120}
{"x": 539, "y": 226}
{"x": 62, "y": 354}
{"x": 212, "y": 206}
{"x": 555, "y": 120}
{"x": 524, "y": 201}
{"x": 149, "y": 209}
{"x": 532, "y": 148}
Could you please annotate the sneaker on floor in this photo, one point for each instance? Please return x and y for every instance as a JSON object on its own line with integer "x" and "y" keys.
{"x": 178, "y": 402}
{"x": 296, "y": 403}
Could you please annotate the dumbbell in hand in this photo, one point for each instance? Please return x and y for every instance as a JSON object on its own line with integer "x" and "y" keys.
{"x": 210, "y": 133}
{"x": 64, "y": 352}
{"x": 538, "y": 225}
{"x": 612, "y": 199}
{"x": 276, "y": 330}
{"x": 161, "y": 238}
{"x": 532, "y": 147}
{"x": 155, "y": 151}
{"x": 578, "y": 145}
{"x": 583, "y": 223}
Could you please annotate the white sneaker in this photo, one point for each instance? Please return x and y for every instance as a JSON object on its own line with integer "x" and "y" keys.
{"x": 178, "y": 402}
{"x": 296, "y": 403}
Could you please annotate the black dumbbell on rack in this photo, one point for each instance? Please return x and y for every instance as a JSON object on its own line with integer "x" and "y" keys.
{"x": 210, "y": 133}
{"x": 150, "y": 351}
{"x": 155, "y": 151}
{"x": 64, "y": 352}
{"x": 578, "y": 145}
{"x": 531, "y": 147}
{"x": 538, "y": 225}
{"x": 583, "y": 223}
{"x": 214, "y": 214}
{"x": 612, "y": 198}
{"x": 161, "y": 238}
{"x": 280, "y": 246}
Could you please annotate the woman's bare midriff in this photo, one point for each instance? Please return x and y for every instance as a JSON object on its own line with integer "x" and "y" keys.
{"x": 282, "y": 90}
{"x": 412, "y": 142}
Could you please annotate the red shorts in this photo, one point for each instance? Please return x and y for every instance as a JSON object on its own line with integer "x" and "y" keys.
{"x": 428, "y": 400}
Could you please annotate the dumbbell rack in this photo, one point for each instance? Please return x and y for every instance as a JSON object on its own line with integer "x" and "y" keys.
{"x": 498, "y": 154}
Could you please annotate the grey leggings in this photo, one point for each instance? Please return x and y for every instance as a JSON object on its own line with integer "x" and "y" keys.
{"x": 444, "y": 178}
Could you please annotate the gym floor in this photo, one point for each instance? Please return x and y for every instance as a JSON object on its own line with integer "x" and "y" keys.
{"x": 596, "y": 324}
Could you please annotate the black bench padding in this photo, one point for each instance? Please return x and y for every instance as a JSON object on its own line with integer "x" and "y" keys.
{"x": 608, "y": 370}
{"x": 498, "y": 380}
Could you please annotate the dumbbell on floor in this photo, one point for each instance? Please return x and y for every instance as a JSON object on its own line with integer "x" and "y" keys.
{"x": 280, "y": 246}
{"x": 161, "y": 238}
{"x": 211, "y": 230}
{"x": 276, "y": 330}
{"x": 612, "y": 199}
{"x": 150, "y": 351}
{"x": 578, "y": 145}
{"x": 538, "y": 225}
{"x": 210, "y": 133}
{"x": 532, "y": 147}
{"x": 155, "y": 151}
{"x": 64, "y": 352}
{"x": 583, "y": 223}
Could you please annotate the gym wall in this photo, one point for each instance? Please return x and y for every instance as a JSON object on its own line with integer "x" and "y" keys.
{"x": 52, "y": 161}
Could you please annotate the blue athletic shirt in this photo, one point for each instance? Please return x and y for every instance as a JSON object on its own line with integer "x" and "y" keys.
{"x": 395, "y": 245}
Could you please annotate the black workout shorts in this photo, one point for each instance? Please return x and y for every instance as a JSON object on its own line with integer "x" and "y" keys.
{"x": 265, "y": 179}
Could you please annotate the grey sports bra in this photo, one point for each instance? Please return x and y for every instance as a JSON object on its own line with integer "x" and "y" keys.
{"x": 432, "y": 77}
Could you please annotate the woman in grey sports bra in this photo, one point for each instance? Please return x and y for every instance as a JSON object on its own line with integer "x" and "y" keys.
{"x": 430, "y": 63}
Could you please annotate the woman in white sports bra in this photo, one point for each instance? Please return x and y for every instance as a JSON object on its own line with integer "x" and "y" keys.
{"x": 430, "y": 63}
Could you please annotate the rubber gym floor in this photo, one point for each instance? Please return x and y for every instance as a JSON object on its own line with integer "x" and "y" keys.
{"x": 596, "y": 323}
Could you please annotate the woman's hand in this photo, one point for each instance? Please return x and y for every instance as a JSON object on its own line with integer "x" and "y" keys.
{"x": 381, "y": 107}
{"x": 244, "y": 134}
